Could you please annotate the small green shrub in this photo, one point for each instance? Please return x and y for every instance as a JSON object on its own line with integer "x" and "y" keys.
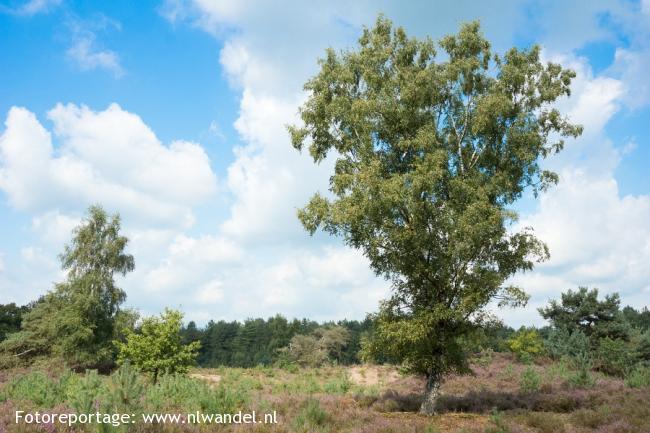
{"x": 582, "y": 378}
{"x": 579, "y": 356}
{"x": 485, "y": 357}
{"x": 530, "y": 380}
{"x": 642, "y": 349}
{"x": 310, "y": 416}
{"x": 545, "y": 422}
{"x": 83, "y": 395}
{"x": 340, "y": 385}
{"x": 178, "y": 392}
{"x": 638, "y": 377}
{"x": 499, "y": 426}
{"x": 125, "y": 390}
{"x": 590, "y": 418}
{"x": 509, "y": 371}
{"x": 38, "y": 388}
{"x": 526, "y": 344}
{"x": 614, "y": 357}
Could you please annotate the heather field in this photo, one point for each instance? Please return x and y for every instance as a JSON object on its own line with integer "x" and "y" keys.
{"x": 503, "y": 395}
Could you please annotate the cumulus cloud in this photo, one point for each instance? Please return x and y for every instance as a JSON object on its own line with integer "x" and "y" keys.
{"x": 110, "y": 157}
{"x": 597, "y": 236}
{"x": 267, "y": 179}
{"x": 258, "y": 261}
{"x": 54, "y": 228}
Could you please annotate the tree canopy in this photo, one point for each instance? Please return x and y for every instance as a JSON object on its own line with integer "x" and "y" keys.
{"x": 581, "y": 310}
{"x": 430, "y": 155}
{"x": 77, "y": 321}
{"x": 157, "y": 347}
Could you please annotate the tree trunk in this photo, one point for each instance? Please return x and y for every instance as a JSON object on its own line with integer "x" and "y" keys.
{"x": 431, "y": 393}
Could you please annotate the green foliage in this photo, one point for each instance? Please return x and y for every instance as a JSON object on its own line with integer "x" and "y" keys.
{"x": 638, "y": 377}
{"x": 637, "y": 319}
{"x": 530, "y": 380}
{"x": 176, "y": 392}
{"x": 614, "y": 357}
{"x": 498, "y": 423}
{"x": 158, "y": 348}
{"x": 258, "y": 341}
{"x": 339, "y": 385}
{"x": 578, "y": 352}
{"x": 125, "y": 389}
{"x": 642, "y": 348}
{"x": 430, "y": 154}
{"x": 310, "y": 416}
{"x": 582, "y": 311}
{"x": 38, "y": 388}
{"x": 11, "y": 317}
{"x": 557, "y": 343}
{"x": 526, "y": 344}
{"x": 85, "y": 393}
{"x": 77, "y": 320}
{"x": 322, "y": 346}
{"x": 594, "y": 333}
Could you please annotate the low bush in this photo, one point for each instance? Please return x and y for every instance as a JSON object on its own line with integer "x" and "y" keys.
{"x": 590, "y": 418}
{"x": 84, "y": 394}
{"x": 614, "y": 357}
{"x": 526, "y": 344}
{"x": 638, "y": 377}
{"x": 38, "y": 388}
{"x": 530, "y": 380}
{"x": 545, "y": 422}
{"x": 340, "y": 385}
{"x": 310, "y": 416}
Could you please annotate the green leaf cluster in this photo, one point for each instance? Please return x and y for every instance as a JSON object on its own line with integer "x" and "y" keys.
{"x": 157, "y": 346}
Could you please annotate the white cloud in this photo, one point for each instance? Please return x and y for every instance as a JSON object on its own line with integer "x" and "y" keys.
{"x": 268, "y": 181}
{"x": 633, "y": 66}
{"x": 85, "y": 54}
{"x": 54, "y": 228}
{"x": 211, "y": 292}
{"x": 85, "y": 51}
{"x": 190, "y": 262}
{"x": 597, "y": 236}
{"x": 259, "y": 261}
{"x": 110, "y": 157}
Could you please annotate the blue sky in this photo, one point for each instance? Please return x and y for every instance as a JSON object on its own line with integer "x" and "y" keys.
{"x": 172, "y": 113}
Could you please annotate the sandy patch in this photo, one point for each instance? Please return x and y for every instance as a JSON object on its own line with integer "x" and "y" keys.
{"x": 370, "y": 375}
{"x": 212, "y": 378}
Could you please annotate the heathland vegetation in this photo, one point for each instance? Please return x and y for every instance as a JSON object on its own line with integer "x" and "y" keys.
{"x": 431, "y": 157}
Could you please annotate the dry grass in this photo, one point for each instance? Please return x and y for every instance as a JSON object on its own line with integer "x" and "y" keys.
{"x": 378, "y": 399}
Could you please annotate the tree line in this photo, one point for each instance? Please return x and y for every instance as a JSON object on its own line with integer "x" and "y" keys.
{"x": 613, "y": 339}
{"x": 260, "y": 341}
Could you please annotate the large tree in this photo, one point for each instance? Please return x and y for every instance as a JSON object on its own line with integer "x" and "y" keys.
{"x": 430, "y": 155}
{"x": 79, "y": 319}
